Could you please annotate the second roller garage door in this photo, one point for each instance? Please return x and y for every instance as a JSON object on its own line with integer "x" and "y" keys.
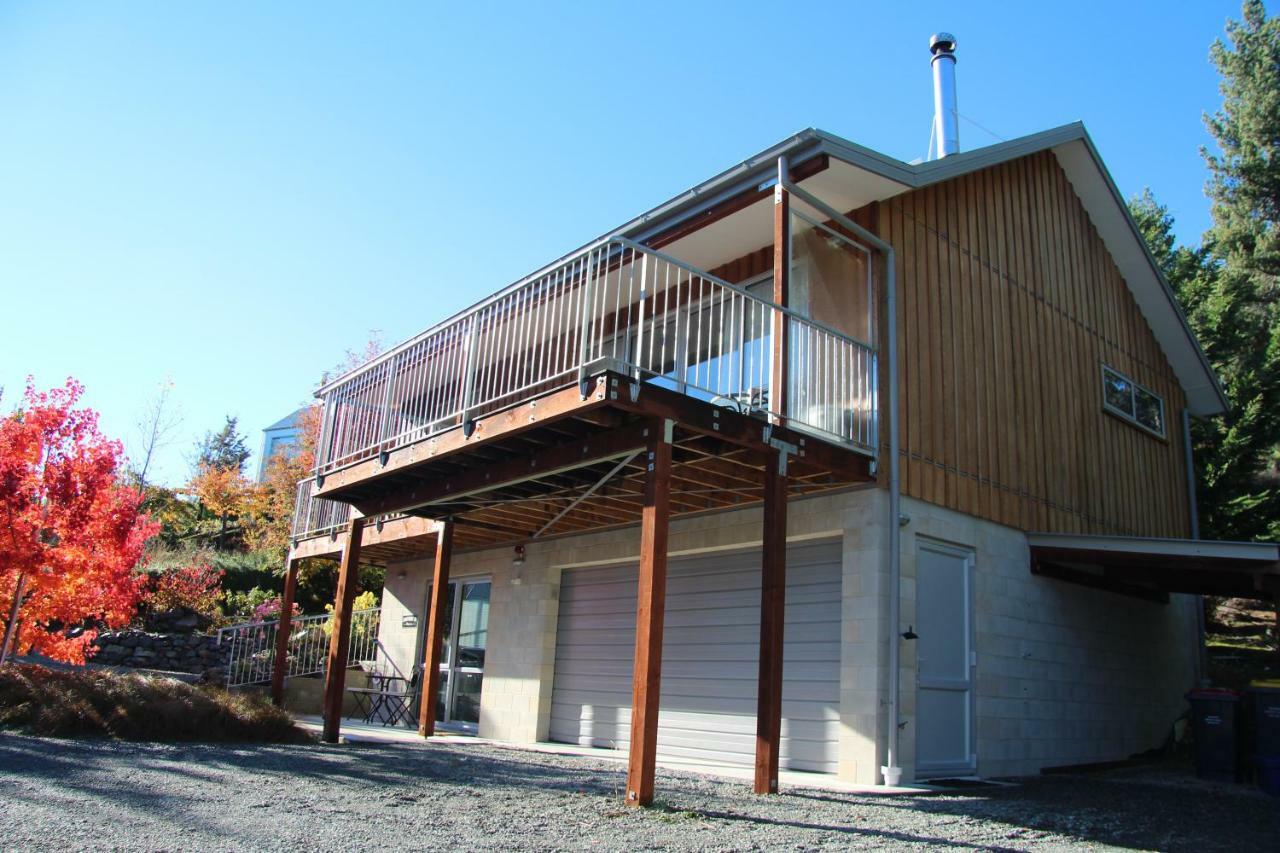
{"x": 710, "y": 659}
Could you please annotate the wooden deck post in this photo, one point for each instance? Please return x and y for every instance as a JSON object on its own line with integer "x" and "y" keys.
{"x": 780, "y": 332}
{"x": 281, "y": 663}
{"x": 430, "y": 679}
{"x": 335, "y": 679}
{"x": 772, "y": 618}
{"x": 650, "y": 603}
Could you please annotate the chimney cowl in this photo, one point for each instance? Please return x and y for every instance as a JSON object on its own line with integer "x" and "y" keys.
{"x": 939, "y": 42}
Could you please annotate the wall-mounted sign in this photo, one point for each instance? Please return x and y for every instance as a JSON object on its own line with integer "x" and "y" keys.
{"x": 409, "y": 621}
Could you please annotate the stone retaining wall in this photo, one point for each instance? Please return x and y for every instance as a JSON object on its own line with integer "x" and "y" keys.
{"x": 195, "y": 653}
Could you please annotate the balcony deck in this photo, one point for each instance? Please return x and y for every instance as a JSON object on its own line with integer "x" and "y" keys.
{"x": 562, "y": 464}
{"x": 526, "y": 417}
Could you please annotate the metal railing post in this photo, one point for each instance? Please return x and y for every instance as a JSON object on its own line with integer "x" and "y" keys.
{"x": 469, "y": 375}
{"x": 682, "y": 339}
{"x": 386, "y": 403}
{"x": 588, "y": 310}
{"x": 644, "y": 297}
{"x": 326, "y": 429}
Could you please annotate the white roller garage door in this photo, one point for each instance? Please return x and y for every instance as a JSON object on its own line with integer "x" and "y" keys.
{"x": 710, "y": 659}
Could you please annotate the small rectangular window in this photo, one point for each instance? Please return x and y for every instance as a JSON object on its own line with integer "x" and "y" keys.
{"x": 1124, "y": 397}
{"x": 1119, "y": 392}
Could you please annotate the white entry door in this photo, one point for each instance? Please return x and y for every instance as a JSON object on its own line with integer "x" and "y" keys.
{"x": 945, "y": 662}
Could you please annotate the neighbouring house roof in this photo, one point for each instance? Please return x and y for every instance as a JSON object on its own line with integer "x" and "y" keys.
{"x": 858, "y": 176}
{"x": 287, "y": 422}
{"x": 1142, "y": 566}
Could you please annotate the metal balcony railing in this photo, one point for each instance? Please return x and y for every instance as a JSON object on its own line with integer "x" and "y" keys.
{"x": 251, "y": 646}
{"x": 314, "y": 516}
{"x": 618, "y": 306}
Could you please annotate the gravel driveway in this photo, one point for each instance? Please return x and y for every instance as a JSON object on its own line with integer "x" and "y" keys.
{"x": 109, "y": 795}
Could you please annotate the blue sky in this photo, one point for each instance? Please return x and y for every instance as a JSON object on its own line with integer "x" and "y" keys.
{"x": 232, "y": 195}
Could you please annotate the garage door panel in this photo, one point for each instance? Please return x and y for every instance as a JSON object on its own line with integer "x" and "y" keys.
{"x": 710, "y": 659}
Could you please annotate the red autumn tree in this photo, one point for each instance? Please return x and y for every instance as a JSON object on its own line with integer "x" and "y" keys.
{"x": 70, "y": 533}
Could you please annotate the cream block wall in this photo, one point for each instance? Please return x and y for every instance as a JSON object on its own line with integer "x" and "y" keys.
{"x": 1065, "y": 674}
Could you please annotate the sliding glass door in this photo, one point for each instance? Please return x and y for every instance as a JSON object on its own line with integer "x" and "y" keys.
{"x": 466, "y": 637}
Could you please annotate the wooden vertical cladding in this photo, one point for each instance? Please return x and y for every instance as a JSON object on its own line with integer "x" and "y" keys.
{"x": 646, "y": 680}
{"x": 430, "y": 679}
{"x": 335, "y": 681}
{"x": 280, "y": 665}
{"x": 1009, "y": 304}
{"x": 773, "y": 587}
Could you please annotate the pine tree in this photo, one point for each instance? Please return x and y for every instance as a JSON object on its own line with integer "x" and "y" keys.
{"x": 1234, "y": 308}
{"x": 224, "y": 450}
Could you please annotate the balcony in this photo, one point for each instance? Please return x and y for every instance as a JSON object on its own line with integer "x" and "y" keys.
{"x": 607, "y": 326}
{"x": 616, "y": 306}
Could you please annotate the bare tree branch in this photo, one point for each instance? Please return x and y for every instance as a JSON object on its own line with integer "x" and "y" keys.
{"x": 155, "y": 429}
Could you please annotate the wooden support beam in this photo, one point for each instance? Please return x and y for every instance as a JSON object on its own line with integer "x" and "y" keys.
{"x": 650, "y": 605}
{"x": 483, "y": 478}
{"x": 335, "y": 679}
{"x": 430, "y": 679}
{"x": 1057, "y": 571}
{"x": 281, "y": 663}
{"x": 505, "y": 424}
{"x": 772, "y": 618}
{"x": 778, "y": 381}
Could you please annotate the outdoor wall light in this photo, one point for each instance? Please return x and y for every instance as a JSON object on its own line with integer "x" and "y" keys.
{"x": 517, "y": 561}
{"x": 910, "y": 634}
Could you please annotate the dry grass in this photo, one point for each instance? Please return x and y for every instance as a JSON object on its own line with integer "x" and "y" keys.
{"x": 99, "y": 703}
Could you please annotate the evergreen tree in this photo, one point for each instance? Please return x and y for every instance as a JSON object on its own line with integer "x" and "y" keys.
{"x": 1230, "y": 287}
{"x": 223, "y": 450}
{"x": 1234, "y": 307}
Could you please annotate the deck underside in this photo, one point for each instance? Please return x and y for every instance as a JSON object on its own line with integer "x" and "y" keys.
{"x": 564, "y": 464}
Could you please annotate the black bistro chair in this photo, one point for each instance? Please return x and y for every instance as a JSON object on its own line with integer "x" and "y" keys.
{"x": 390, "y": 700}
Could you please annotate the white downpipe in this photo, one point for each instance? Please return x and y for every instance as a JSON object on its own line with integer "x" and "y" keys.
{"x": 891, "y": 771}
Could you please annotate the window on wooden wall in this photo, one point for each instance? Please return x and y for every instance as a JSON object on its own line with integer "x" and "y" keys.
{"x": 1127, "y": 399}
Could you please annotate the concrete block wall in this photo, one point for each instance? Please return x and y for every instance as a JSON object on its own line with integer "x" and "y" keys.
{"x": 1065, "y": 674}
{"x": 519, "y": 668}
{"x": 404, "y": 598}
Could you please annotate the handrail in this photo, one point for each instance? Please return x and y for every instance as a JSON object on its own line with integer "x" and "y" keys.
{"x": 461, "y": 315}
{"x": 581, "y": 253}
{"x": 251, "y": 646}
{"x": 313, "y": 516}
{"x": 786, "y": 311}
{"x": 617, "y": 305}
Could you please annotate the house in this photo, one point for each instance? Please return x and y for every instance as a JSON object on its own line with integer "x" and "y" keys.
{"x": 832, "y": 463}
{"x": 280, "y": 437}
